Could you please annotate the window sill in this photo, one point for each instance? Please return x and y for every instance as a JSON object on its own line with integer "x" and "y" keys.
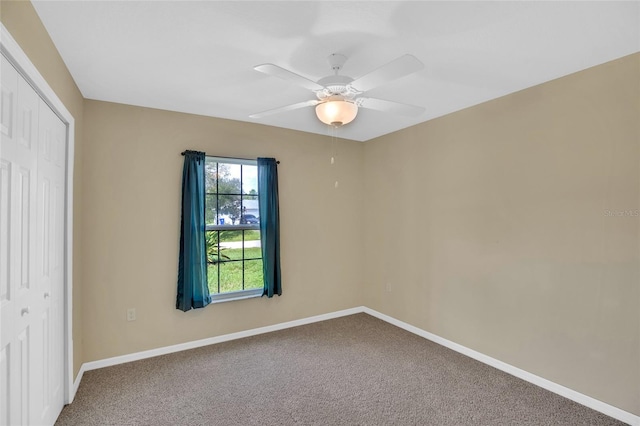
{"x": 236, "y": 295}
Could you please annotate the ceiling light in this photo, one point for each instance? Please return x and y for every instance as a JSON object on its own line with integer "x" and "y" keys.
{"x": 336, "y": 111}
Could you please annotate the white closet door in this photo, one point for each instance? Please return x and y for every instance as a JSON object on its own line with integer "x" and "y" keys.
{"x": 31, "y": 251}
{"x": 19, "y": 302}
{"x": 49, "y": 264}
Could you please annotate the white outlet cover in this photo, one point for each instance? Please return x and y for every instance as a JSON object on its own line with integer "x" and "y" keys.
{"x": 131, "y": 314}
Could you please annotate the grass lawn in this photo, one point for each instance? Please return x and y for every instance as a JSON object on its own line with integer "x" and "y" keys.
{"x": 229, "y": 236}
{"x": 231, "y": 271}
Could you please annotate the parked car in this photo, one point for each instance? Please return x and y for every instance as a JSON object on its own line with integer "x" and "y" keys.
{"x": 249, "y": 219}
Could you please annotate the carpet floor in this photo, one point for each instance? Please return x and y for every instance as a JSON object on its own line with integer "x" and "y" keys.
{"x": 354, "y": 370}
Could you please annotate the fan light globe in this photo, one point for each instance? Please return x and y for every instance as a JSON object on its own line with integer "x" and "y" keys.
{"x": 336, "y": 112}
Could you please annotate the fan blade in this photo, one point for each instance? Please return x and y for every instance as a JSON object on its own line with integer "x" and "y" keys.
{"x": 291, "y": 107}
{"x": 390, "y": 106}
{"x": 404, "y": 65}
{"x": 276, "y": 71}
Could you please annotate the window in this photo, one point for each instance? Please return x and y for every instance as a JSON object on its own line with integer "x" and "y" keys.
{"x": 234, "y": 256}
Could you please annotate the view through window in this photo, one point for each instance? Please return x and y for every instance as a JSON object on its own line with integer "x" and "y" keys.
{"x": 234, "y": 257}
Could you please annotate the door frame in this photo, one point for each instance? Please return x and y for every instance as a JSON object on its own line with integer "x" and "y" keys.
{"x": 16, "y": 56}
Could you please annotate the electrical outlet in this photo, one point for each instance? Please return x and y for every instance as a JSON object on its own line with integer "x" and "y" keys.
{"x": 131, "y": 314}
{"x": 388, "y": 287}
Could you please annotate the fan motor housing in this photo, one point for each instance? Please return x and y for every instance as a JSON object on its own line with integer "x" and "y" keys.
{"x": 335, "y": 85}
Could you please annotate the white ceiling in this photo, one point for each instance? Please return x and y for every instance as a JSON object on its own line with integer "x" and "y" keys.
{"x": 198, "y": 57}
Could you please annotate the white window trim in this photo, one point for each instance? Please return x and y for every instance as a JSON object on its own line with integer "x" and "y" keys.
{"x": 241, "y": 294}
{"x": 244, "y": 161}
{"x": 232, "y": 227}
{"x": 236, "y": 295}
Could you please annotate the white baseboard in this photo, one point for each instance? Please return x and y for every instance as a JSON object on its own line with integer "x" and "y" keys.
{"x": 76, "y": 383}
{"x": 578, "y": 397}
{"x": 218, "y": 339}
{"x": 585, "y": 400}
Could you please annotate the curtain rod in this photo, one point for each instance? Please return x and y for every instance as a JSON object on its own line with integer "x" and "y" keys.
{"x": 230, "y": 158}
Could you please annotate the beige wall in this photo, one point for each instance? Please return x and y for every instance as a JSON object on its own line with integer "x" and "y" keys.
{"x": 490, "y": 225}
{"x": 23, "y": 23}
{"x": 131, "y": 219}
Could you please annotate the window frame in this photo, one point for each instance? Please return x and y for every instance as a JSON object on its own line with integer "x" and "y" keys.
{"x": 239, "y": 294}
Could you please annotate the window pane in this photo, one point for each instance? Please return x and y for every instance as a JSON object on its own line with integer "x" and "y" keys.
{"x": 229, "y": 178}
{"x": 210, "y": 175}
{"x": 210, "y": 211}
{"x": 231, "y": 245}
{"x": 252, "y": 252}
{"x": 250, "y": 180}
{"x": 252, "y": 238}
{"x": 230, "y": 276}
{"x": 211, "y": 239}
{"x": 212, "y": 274}
{"x": 253, "y": 274}
{"x": 250, "y": 210}
{"x": 229, "y": 209}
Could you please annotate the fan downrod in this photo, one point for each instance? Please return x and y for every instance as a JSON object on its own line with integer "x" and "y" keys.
{"x": 336, "y": 60}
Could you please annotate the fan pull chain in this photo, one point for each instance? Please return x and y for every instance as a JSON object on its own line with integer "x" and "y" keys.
{"x": 334, "y": 129}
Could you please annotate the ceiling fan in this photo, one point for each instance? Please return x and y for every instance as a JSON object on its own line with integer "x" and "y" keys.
{"x": 338, "y": 97}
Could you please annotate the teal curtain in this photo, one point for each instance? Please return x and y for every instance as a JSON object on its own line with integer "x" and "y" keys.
{"x": 193, "y": 291}
{"x": 269, "y": 225}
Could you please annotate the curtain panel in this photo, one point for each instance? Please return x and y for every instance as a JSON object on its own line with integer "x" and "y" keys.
{"x": 269, "y": 225}
{"x": 193, "y": 291}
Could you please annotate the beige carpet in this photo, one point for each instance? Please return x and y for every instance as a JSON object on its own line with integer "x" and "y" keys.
{"x": 355, "y": 370}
